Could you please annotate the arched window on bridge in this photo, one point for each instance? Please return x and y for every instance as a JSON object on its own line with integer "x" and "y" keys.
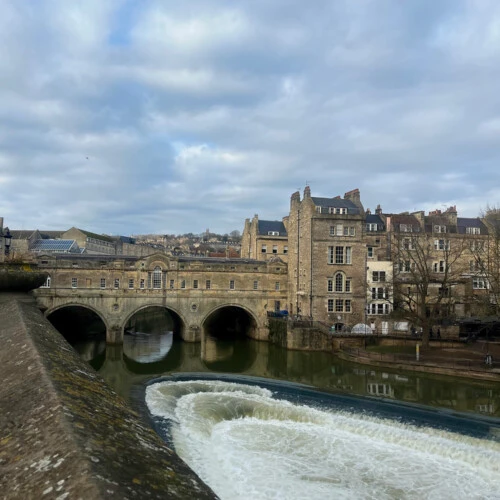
{"x": 157, "y": 277}
{"x": 47, "y": 283}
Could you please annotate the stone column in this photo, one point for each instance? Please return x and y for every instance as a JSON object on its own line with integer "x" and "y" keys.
{"x": 114, "y": 334}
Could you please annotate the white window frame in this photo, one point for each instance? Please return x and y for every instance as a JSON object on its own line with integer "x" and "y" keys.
{"x": 131, "y": 283}
{"x": 156, "y": 278}
{"x": 117, "y": 283}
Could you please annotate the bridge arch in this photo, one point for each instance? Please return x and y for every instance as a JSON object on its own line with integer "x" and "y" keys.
{"x": 60, "y": 321}
{"x": 238, "y": 321}
{"x": 177, "y": 317}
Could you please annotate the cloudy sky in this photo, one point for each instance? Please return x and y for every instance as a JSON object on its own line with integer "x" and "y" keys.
{"x": 139, "y": 116}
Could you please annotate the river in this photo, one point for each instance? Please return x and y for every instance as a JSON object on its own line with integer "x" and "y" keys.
{"x": 257, "y": 421}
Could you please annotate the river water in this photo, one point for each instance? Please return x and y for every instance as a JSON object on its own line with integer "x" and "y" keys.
{"x": 256, "y": 421}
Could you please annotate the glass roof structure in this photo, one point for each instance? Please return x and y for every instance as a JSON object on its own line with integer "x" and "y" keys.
{"x": 55, "y": 246}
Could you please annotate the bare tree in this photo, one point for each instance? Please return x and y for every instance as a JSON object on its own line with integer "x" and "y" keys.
{"x": 427, "y": 269}
{"x": 486, "y": 262}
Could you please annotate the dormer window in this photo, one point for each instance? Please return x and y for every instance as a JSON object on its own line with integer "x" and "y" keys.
{"x": 273, "y": 233}
{"x": 406, "y": 228}
{"x": 439, "y": 229}
{"x": 473, "y": 230}
{"x": 337, "y": 210}
{"x": 371, "y": 226}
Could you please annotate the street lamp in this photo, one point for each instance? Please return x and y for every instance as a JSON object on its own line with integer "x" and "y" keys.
{"x": 7, "y": 237}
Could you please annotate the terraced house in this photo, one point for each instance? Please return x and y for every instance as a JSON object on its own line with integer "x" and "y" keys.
{"x": 347, "y": 265}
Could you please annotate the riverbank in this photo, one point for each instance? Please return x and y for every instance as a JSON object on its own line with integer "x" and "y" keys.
{"x": 441, "y": 357}
{"x": 64, "y": 432}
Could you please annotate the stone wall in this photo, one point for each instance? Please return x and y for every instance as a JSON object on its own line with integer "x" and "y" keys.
{"x": 64, "y": 432}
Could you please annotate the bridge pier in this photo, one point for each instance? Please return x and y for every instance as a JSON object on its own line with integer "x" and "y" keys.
{"x": 192, "y": 334}
{"x": 114, "y": 334}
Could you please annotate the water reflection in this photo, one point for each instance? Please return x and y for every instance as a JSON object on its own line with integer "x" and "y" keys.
{"x": 149, "y": 356}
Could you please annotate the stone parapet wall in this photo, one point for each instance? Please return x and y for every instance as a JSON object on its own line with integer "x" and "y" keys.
{"x": 64, "y": 433}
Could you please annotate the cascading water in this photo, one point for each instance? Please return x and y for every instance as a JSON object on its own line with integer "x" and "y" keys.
{"x": 247, "y": 443}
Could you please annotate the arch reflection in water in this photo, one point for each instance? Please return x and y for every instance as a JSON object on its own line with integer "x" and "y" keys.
{"x": 250, "y": 441}
{"x": 227, "y": 356}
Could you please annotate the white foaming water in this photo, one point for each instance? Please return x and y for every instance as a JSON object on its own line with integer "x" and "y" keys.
{"x": 246, "y": 445}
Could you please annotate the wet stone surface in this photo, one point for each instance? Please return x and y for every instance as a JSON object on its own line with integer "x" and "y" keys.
{"x": 64, "y": 433}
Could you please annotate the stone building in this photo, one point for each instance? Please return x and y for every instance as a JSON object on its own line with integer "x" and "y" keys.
{"x": 348, "y": 266}
{"x": 264, "y": 239}
{"x": 327, "y": 260}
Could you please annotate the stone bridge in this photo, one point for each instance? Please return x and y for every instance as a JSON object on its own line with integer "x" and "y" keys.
{"x": 199, "y": 293}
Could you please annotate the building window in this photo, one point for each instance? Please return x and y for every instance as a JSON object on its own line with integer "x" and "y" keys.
{"x": 479, "y": 284}
{"x": 473, "y": 230}
{"x": 183, "y": 283}
{"x": 332, "y": 230}
{"x": 439, "y": 229}
{"x": 285, "y": 249}
{"x": 406, "y": 228}
{"x": 195, "y": 283}
{"x": 405, "y": 266}
{"x": 208, "y": 284}
{"x": 74, "y": 282}
{"x": 231, "y": 284}
{"x": 172, "y": 282}
{"x": 117, "y": 283}
{"x": 103, "y": 282}
{"x": 330, "y": 285}
{"x": 378, "y": 309}
{"x": 477, "y": 246}
{"x": 273, "y": 233}
{"x": 339, "y": 255}
{"x": 330, "y": 305}
{"x": 47, "y": 283}
{"x": 441, "y": 245}
{"x": 264, "y": 249}
{"x": 157, "y": 277}
{"x": 339, "y": 282}
{"x": 339, "y": 305}
{"x": 255, "y": 285}
{"x": 439, "y": 267}
{"x": 131, "y": 283}
{"x": 342, "y": 255}
{"x": 379, "y": 293}
{"x": 275, "y": 248}
{"x": 277, "y": 286}
{"x": 378, "y": 276}
{"x": 141, "y": 283}
{"x": 370, "y": 252}
{"x": 347, "y": 286}
{"x": 371, "y": 227}
{"x": 408, "y": 244}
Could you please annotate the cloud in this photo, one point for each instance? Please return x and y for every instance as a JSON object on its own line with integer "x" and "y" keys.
{"x": 200, "y": 114}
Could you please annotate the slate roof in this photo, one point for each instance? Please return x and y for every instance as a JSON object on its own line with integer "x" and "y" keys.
{"x": 22, "y": 234}
{"x": 96, "y": 236}
{"x": 51, "y": 235}
{"x": 374, "y": 219}
{"x": 336, "y": 202}
{"x": 464, "y": 222}
{"x": 271, "y": 225}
